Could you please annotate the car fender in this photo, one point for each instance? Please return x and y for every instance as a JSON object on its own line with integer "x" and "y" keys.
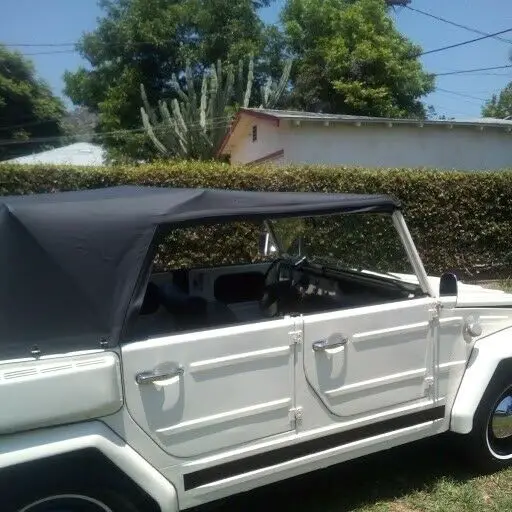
{"x": 487, "y": 354}
{"x": 49, "y": 442}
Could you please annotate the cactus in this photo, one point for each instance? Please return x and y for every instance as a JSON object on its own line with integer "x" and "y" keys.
{"x": 192, "y": 129}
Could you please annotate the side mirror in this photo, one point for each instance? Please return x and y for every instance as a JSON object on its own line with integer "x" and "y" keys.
{"x": 448, "y": 286}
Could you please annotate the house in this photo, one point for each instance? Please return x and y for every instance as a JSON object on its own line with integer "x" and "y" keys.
{"x": 80, "y": 153}
{"x": 286, "y": 137}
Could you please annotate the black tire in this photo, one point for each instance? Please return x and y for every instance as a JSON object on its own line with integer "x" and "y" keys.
{"x": 72, "y": 499}
{"x": 488, "y": 447}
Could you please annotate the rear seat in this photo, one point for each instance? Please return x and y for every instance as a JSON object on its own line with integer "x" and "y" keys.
{"x": 172, "y": 309}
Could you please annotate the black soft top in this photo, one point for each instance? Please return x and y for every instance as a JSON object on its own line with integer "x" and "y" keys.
{"x": 70, "y": 261}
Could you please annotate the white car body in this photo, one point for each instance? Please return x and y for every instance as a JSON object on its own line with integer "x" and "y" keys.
{"x": 242, "y": 406}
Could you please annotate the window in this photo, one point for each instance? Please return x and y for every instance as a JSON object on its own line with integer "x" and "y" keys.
{"x": 215, "y": 275}
{"x": 361, "y": 242}
{"x": 254, "y": 133}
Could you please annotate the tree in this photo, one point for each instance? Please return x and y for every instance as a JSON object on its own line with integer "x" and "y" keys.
{"x": 351, "y": 59}
{"x": 196, "y": 124}
{"x": 499, "y": 106}
{"x": 28, "y": 109}
{"x": 146, "y": 41}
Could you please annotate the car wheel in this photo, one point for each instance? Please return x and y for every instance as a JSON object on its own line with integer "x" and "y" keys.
{"x": 93, "y": 500}
{"x": 491, "y": 438}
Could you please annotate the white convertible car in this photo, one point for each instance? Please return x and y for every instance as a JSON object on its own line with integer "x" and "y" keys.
{"x": 164, "y": 348}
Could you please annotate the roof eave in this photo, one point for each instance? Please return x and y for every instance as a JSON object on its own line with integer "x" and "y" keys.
{"x": 236, "y": 120}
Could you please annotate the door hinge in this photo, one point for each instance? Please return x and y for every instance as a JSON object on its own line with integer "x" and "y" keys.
{"x": 295, "y": 337}
{"x": 296, "y": 416}
{"x": 429, "y": 384}
{"x": 435, "y": 312}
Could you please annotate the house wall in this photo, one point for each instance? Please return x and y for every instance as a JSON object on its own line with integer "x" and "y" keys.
{"x": 399, "y": 146}
{"x": 244, "y": 150}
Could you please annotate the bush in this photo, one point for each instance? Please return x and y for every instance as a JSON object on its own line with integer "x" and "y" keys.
{"x": 458, "y": 220}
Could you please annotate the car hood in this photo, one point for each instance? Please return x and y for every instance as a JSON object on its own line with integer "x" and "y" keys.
{"x": 469, "y": 295}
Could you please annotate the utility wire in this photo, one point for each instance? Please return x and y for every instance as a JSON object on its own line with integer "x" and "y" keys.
{"x": 436, "y": 50}
{"x": 74, "y": 50}
{"x": 52, "y": 52}
{"x": 34, "y": 123}
{"x": 463, "y": 71}
{"x": 428, "y": 52}
{"x": 462, "y": 95}
{"x": 463, "y": 43}
{"x": 192, "y": 127}
{"x": 465, "y": 27}
{"x": 60, "y": 45}
{"x": 36, "y": 45}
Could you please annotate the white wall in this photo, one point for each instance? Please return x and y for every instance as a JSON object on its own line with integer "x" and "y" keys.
{"x": 400, "y": 146}
{"x": 244, "y": 150}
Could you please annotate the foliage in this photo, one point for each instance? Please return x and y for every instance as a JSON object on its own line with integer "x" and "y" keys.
{"x": 458, "y": 220}
{"x": 146, "y": 41}
{"x": 499, "y": 106}
{"x": 351, "y": 59}
{"x": 28, "y": 109}
{"x": 196, "y": 124}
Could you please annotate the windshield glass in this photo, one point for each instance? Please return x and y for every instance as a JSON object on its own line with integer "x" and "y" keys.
{"x": 359, "y": 242}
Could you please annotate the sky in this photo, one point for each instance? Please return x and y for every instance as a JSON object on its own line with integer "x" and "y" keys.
{"x": 458, "y": 96}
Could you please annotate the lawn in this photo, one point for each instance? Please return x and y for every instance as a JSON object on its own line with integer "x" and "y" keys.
{"x": 425, "y": 476}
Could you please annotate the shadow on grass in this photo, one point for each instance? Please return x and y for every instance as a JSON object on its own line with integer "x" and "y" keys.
{"x": 351, "y": 485}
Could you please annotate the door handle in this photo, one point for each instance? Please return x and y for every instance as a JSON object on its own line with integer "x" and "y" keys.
{"x": 329, "y": 343}
{"x": 151, "y": 376}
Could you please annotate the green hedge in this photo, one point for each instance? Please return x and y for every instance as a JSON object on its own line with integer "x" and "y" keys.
{"x": 458, "y": 220}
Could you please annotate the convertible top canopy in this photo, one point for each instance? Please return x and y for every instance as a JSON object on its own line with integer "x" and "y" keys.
{"x": 70, "y": 261}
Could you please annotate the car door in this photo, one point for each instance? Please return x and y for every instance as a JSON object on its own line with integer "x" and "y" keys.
{"x": 371, "y": 359}
{"x": 203, "y": 391}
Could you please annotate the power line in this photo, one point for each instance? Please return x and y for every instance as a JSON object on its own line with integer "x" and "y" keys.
{"x": 75, "y": 50}
{"x": 52, "y": 52}
{"x": 462, "y": 95}
{"x": 463, "y": 43}
{"x": 428, "y": 52}
{"x": 46, "y": 121}
{"x": 465, "y": 27}
{"x": 463, "y": 71}
{"x": 36, "y": 45}
{"x": 8, "y": 142}
{"x": 195, "y": 127}
{"x": 490, "y": 74}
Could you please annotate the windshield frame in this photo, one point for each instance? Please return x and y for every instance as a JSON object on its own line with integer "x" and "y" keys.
{"x": 400, "y": 227}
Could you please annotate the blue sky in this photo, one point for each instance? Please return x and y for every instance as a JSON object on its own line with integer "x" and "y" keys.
{"x": 63, "y": 21}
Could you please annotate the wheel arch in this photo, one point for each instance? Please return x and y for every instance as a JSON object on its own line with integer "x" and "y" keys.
{"x": 490, "y": 359}
{"x": 91, "y": 450}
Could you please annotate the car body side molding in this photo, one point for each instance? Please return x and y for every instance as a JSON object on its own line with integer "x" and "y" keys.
{"x": 288, "y": 453}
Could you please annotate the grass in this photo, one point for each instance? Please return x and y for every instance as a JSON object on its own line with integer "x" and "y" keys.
{"x": 425, "y": 476}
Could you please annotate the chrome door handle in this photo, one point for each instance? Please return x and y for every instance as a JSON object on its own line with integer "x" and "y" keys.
{"x": 155, "y": 375}
{"x": 332, "y": 342}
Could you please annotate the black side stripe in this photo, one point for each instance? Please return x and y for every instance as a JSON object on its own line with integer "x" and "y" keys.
{"x": 288, "y": 453}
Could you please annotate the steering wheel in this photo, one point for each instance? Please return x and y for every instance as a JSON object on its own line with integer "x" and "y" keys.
{"x": 268, "y": 302}
{"x": 278, "y": 293}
